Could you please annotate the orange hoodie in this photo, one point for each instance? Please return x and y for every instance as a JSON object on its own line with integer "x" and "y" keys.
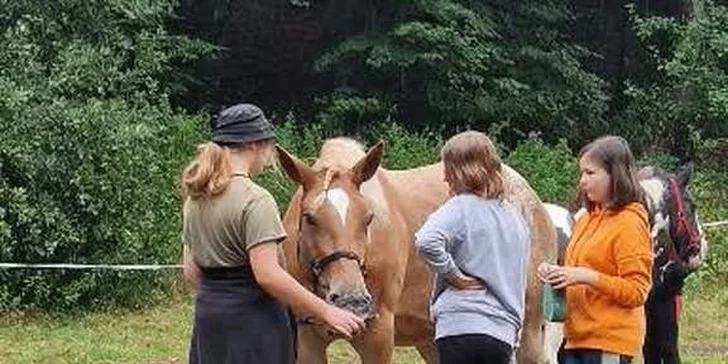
{"x": 610, "y": 315}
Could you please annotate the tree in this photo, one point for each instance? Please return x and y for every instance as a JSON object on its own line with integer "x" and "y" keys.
{"x": 498, "y": 64}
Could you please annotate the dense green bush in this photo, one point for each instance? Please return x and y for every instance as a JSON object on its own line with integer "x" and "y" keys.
{"x": 91, "y": 182}
{"x": 710, "y": 191}
{"x": 90, "y": 149}
{"x": 551, "y": 171}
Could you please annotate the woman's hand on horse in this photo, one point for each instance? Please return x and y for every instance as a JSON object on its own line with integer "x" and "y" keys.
{"x": 343, "y": 321}
{"x": 465, "y": 282}
{"x": 560, "y": 277}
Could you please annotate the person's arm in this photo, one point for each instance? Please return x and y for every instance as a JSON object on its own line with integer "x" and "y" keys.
{"x": 432, "y": 249}
{"x": 190, "y": 270}
{"x": 433, "y": 240}
{"x": 435, "y": 236}
{"x": 630, "y": 286}
{"x": 279, "y": 284}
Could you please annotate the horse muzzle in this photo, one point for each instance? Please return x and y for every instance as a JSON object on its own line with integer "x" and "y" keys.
{"x": 359, "y": 303}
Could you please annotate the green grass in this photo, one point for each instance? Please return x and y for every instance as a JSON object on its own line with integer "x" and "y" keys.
{"x": 160, "y": 335}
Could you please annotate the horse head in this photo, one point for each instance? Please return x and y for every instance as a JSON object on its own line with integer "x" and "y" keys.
{"x": 335, "y": 219}
{"x": 673, "y": 213}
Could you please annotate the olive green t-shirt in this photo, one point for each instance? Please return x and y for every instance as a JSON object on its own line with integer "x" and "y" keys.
{"x": 220, "y": 230}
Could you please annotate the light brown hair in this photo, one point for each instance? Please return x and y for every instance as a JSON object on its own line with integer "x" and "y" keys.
{"x": 472, "y": 165}
{"x": 209, "y": 173}
{"x": 614, "y": 155}
{"x": 211, "y": 170}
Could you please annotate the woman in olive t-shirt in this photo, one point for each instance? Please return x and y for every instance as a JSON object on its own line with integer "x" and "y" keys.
{"x": 231, "y": 229}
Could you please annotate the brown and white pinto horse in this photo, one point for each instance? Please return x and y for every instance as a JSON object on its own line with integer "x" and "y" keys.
{"x": 679, "y": 247}
{"x": 351, "y": 228}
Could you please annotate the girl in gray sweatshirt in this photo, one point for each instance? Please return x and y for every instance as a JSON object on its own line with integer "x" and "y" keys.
{"x": 478, "y": 246}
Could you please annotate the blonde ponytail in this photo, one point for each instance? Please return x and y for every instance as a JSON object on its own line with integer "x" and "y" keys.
{"x": 209, "y": 173}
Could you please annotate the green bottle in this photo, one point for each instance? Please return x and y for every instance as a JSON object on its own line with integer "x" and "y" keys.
{"x": 553, "y": 302}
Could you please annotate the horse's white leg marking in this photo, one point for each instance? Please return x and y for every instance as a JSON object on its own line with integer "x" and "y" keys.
{"x": 553, "y": 336}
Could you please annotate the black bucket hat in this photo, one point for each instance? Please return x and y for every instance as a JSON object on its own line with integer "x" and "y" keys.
{"x": 241, "y": 124}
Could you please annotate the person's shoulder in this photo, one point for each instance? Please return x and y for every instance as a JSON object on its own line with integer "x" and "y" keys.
{"x": 632, "y": 214}
{"x": 249, "y": 189}
{"x": 512, "y": 213}
{"x": 465, "y": 202}
{"x": 452, "y": 207}
{"x": 471, "y": 199}
{"x": 456, "y": 200}
{"x": 633, "y": 224}
{"x": 503, "y": 207}
{"x": 247, "y": 196}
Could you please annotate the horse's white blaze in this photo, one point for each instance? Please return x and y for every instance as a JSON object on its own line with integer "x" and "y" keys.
{"x": 660, "y": 222}
{"x": 654, "y": 189}
{"x": 340, "y": 200}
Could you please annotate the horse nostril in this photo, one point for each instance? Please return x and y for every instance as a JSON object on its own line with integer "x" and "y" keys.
{"x": 333, "y": 297}
{"x": 363, "y": 301}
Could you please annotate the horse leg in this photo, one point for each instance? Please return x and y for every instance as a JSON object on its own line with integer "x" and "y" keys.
{"x": 661, "y": 339}
{"x": 311, "y": 346}
{"x": 553, "y": 336}
{"x": 651, "y": 347}
{"x": 531, "y": 348}
{"x": 376, "y": 346}
{"x": 671, "y": 353}
{"x": 428, "y": 352}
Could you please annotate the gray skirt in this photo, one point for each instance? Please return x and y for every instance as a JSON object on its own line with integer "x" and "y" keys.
{"x": 237, "y": 322}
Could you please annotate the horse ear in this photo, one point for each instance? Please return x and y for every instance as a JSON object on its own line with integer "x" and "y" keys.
{"x": 685, "y": 175}
{"x": 645, "y": 173}
{"x": 367, "y": 166}
{"x": 295, "y": 168}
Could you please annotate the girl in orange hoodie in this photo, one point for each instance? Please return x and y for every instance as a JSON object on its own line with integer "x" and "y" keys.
{"x": 607, "y": 270}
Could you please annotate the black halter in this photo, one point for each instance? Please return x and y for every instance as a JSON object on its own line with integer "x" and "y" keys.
{"x": 319, "y": 265}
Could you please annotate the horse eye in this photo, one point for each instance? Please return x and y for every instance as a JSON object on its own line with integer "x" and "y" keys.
{"x": 369, "y": 219}
{"x": 309, "y": 217}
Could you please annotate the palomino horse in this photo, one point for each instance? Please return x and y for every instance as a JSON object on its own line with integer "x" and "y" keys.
{"x": 677, "y": 239}
{"x": 351, "y": 229}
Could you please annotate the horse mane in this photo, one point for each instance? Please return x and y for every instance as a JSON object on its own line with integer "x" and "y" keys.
{"x": 339, "y": 154}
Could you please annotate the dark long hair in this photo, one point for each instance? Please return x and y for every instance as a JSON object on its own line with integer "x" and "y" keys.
{"x": 614, "y": 155}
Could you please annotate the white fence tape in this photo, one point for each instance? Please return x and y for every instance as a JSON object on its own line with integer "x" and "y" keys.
{"x": 715, "y": 223}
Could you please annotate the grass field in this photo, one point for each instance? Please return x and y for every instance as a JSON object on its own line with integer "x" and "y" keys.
{"x": 161, "y": 334}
